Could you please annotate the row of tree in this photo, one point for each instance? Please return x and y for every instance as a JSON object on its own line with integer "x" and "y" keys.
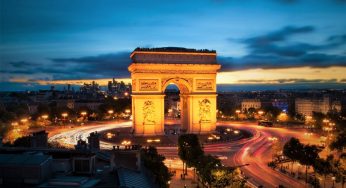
{"x": 14, "y": 112}
{"x": 154, "y": 161}
{"x": 308, "y": 155}
{"x": 209, "y": 169}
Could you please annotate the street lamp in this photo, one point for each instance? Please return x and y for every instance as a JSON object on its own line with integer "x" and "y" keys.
{"x": 237, "y": 112}
{"x": 83, "y": 113}
{"x": 333, "y": 178}
{"x": 110, "y": 112}
{"x": 24, "y": 120}
{"x": 45, "y": 116}
{"x": 64, "y": 115}
{"x": 260, "y": 112}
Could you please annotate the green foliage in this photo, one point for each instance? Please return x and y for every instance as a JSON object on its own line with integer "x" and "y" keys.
{"x": 340, "y": 142}
{"x": 318, "y": 117}
{"x": 309, "y": 155}
{"x": 271, "y": 112}
{"x": 206, "y": 164}
{"x": 293, "y": 149}
{"x": 189, "y": 149}
{"x": 154, "y": 161}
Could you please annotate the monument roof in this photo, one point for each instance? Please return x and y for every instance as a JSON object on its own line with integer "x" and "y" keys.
{"x": 173, "y": 55}
{"x": 174, "y": 49}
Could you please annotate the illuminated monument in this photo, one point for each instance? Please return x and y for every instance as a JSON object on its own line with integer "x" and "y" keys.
{"x": 192, "y": 71}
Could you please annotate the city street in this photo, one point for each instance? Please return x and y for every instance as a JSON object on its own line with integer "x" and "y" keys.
{"x": 255, "y": 151}
{"x": 258, "y": 152}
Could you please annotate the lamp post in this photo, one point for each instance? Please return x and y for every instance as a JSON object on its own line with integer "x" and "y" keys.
{"x": 83, "y": 114}
{"x": 237, "y": 112}
{"x": 127, "y": 112}
{"x": 110, "y": 112}
{"x": 260, "y": 113}
{"x": 64, "y": 115}
{"x": 44, "y": 117}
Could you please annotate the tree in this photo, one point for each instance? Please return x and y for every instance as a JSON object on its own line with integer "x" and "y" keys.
{"x": 154, "y": 161}
{"x": 250, "y": 113}
{"x": 271, "y": 112}
{"x": 318, "y": 117}
{"x": 340, "y": 170}
{"x": 308, "y": 157}
{"x": 323, "y": 167}
{"x": 206, "y": 164}
{"x": 340, "y": 142}
{"x": 292, "y": 149}
{"x": 189, "y": 150}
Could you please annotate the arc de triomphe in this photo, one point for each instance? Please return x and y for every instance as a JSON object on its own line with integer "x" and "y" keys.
{"x": 192, "y": 71}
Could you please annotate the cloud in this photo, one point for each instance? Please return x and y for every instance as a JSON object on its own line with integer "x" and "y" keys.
{"x": 288, "y": 81}
{"x": 104, "y": 65}
{"x": 277, "y": 36}
{"x": 22, "y": 64}
{"x": 275, "y": 50}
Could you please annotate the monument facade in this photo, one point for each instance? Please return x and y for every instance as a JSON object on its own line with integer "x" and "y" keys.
{"x": 192, "y": 71}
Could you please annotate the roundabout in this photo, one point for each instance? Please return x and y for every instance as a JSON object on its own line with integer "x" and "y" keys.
{"x": 255, "y": 150}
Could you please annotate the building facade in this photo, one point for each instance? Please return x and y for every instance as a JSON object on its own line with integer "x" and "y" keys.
{"x": 250, "y": 103}
{"x": 308, "y": 106}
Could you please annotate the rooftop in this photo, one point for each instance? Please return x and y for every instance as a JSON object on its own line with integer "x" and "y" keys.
{"x": 23, "y": 159}
{"x": 173, "y": 55}
{"x": 173, "y": 49}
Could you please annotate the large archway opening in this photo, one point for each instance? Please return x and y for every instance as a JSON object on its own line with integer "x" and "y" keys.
{"x": 172, "y": 109}
{"x": 175, "y": 91}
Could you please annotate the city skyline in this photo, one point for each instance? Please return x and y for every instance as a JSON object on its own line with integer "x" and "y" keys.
{"x": 258, "y": 43}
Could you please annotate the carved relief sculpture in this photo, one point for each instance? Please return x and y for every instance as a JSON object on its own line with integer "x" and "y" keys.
{"x": 204, "y": 84}
{"x": 148, "y": 113}
{"x": 204, "y": 111}
{"x": 148, "y": 84}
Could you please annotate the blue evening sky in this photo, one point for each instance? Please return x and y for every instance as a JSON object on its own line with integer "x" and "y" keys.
{"x": 78, "y": 39}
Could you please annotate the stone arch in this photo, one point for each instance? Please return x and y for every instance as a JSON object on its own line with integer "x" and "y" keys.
{"x": 192, "y": 71}
{"x": 183, "y": 85}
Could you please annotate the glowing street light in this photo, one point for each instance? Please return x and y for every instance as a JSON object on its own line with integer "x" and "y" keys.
{"x": 64, "y": 115}
{"x": 237, "y": 111}
{"x": 14, "y": 123}
{"x": 126, "y": 94}
{"x": 260, "y": 112}
{"x": 45, "y": 116}
{"x": 127, "y": 111}
{"x": 153, "y": 140}
{"x": 83, "y": 113}
{"x": 325, "y": 120}
{"x": 110, "y": 112}
{"x": 126, "y": 142}
{"x": 24, "y": 120}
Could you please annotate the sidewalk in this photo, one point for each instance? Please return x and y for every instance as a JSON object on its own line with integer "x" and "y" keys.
{"x": 177, "y": 182}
